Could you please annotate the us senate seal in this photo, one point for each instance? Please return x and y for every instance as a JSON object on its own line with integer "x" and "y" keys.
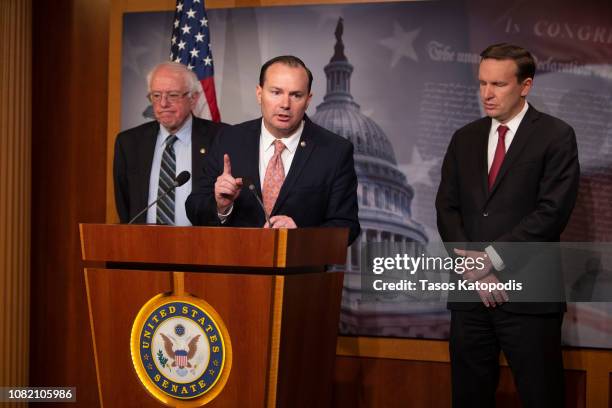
{"x": 181, "y": 350}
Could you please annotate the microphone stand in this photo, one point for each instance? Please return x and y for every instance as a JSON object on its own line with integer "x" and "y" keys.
{"x": 151, "y": 205}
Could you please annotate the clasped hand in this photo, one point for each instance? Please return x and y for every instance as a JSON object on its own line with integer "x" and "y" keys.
{"x": 483, "y": 275}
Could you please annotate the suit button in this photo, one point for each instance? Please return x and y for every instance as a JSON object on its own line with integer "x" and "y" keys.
{"x": 485, "y": 214}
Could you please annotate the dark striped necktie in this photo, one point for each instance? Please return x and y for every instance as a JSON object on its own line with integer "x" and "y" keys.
{"x": 167, "y": 174}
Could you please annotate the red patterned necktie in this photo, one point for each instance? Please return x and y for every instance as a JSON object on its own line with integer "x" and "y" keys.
{"x": 500, "y": 152}
{"x": 274, "y": 178}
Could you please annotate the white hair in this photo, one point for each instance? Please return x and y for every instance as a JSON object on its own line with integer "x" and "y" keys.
{"x": 191, "y": 80}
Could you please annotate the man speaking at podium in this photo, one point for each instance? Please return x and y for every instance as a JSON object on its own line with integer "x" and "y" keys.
{"x": 282, "y": 170}
{"x": 509, "y": 177}
{"x": 148, "y": 157}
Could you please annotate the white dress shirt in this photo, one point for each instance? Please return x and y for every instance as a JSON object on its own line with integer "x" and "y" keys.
{"x": 266, "y": 150}
{"x": 182, "y": 150}
{"x": 512, "y": 125}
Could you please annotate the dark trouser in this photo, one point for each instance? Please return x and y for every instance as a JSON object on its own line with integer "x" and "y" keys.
{"x": 531, "y": 344}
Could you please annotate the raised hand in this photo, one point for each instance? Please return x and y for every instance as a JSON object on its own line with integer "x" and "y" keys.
{"x": 227, "y": 188}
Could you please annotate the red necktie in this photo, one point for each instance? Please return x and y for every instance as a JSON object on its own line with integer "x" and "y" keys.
{"x": 274, "y": 178}
{"x": 500, "y": 152}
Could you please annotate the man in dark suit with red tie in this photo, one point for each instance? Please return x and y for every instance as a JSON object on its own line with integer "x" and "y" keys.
{"x": 304, "y": 174}
{"x": 511, "y": 177}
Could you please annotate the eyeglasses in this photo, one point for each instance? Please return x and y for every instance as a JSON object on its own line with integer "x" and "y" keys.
{"x": 172, "y": 96}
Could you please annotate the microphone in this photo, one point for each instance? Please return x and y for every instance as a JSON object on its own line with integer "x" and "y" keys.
{"x": 181, "y": 179}
{"x": 251, "y": 186}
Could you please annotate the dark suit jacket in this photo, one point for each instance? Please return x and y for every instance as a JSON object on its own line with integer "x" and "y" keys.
{"x": 320, "y": 188}
{"x": 134, "y": 149}
{"x": 531, "y": 200}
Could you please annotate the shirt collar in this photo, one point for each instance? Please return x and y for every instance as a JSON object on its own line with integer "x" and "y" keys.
{"x": 513, "y": 123}
{"x": 183, "y": 135}
{"x": 290, "y": 141}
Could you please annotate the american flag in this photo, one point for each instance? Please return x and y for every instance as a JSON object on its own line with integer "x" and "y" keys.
{"x": 190, "y": 45}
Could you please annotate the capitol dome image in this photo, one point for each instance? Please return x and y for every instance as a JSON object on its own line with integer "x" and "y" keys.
{"x": 385, "y": 199}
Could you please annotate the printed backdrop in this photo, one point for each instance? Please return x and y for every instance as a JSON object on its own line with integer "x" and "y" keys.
{"x": 414, "y": 75}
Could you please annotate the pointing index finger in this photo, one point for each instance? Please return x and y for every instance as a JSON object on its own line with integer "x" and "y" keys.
{"x": 227, "y": 164}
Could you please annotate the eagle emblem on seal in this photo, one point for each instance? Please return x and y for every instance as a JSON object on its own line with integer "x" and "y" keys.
{"x": 180, "y": 354}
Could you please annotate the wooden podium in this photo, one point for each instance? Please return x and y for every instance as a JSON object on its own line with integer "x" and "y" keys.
{"x": 269, "y": 287}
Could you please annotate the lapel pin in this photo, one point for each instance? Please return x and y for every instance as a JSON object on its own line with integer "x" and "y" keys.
{"x": 303, "y": 143}
{"x": 202, "y": 150}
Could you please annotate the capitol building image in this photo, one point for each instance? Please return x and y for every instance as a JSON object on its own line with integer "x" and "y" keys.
{"x": 385, "y": 199}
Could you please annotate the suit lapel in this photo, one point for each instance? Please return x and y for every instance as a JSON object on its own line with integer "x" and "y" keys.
{"x": 147, "y": 151}
{"x": 196, "y": 144}
{"x": 522, "y": 137}
{"x": 302, "y": 153}
{"x": 251, "y": 148}
{"x": 482, "y": 146}
{"x": 199, "y": 134}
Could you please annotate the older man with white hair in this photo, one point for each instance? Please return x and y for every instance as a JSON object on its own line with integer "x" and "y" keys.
{"x": 148, "y": 157}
